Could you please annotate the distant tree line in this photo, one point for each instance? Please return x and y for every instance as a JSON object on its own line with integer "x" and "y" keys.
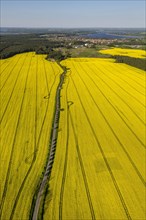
{"x": 13, "y": 44}
{"x": 130, "y": 42}
{"x": 132, "y": 61}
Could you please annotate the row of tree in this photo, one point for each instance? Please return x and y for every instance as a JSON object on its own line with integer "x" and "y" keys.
{"x": 132, "y": 61}
{"x": 58, "y": 55}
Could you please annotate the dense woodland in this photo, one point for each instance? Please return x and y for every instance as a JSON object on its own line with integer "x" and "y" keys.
{"x": 14, "y": 44}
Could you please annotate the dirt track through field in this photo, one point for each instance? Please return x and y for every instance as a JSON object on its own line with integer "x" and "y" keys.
{"x": 52, "y": 149}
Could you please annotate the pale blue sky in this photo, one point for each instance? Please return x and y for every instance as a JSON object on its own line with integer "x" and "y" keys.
{"x": 105, "y": 13}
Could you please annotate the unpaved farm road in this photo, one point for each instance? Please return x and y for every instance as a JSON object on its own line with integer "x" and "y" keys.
{"x": 52, "y": 149}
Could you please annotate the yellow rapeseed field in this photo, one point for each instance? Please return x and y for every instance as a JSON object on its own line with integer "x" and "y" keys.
{"x": 137, "y": 53}
{"x": 99, "y": 168}
{"x": 28, "y": 85}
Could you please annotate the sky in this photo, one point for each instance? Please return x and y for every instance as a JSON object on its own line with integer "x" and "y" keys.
{"x": 72, "y": 14}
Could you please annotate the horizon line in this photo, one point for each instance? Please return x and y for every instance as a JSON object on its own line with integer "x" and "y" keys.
{"x": 66, "y": 27}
